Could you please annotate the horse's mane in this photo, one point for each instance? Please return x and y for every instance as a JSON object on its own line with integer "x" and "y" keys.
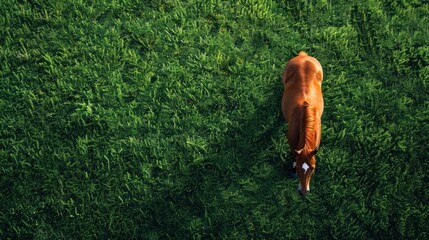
{"x": 309, "y": 131}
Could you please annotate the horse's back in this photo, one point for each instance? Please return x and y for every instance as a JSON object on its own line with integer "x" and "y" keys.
{"x": 302, "y": 80}
{"x": 301, "y": 68}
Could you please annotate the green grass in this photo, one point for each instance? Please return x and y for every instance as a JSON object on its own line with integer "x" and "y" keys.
{"x": 159, "y": 119}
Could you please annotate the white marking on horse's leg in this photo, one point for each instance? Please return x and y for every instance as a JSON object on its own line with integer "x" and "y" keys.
{"x": 299, "y": 187}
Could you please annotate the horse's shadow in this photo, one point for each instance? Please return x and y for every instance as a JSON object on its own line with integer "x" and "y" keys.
{"x": 247, "y": 169}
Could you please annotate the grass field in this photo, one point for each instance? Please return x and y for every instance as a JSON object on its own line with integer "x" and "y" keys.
{"x": 160, "y": 119}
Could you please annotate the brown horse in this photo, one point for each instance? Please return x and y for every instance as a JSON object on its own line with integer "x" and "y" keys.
{"x": 302, "y": 107}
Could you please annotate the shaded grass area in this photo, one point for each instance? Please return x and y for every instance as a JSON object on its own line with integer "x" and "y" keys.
{"x": 159, "y": 120}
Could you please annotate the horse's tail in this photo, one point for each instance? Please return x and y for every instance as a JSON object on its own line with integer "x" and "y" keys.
{"x": 302, "y": 53}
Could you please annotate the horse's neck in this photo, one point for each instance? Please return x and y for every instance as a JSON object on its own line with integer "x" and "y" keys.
{"x": 318, "y": 131}
{"x": 310, "y": 128}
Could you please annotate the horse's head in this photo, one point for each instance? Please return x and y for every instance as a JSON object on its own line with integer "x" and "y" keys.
{"x": 305, "y": 165}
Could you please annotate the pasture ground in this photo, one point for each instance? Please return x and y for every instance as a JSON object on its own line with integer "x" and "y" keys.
{"x": 159, "y": 119}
